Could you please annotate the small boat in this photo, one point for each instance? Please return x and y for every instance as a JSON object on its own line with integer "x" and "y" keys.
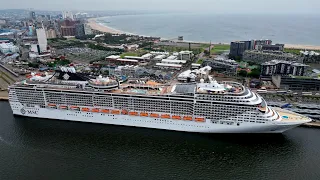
{"x": 133, "y": 113}
{"x": 64, "y": 107}
{"x": 105, "y": 110}
{"x": 143, "y": 114}
{"x": 85, "y": 109}
{"x": 176, "y": 117}
{"x": 165, "y": 116}
{"x": 95, "y": 110}
{"x": 52, "y": 106}
{"x": 75, "y": 108}
{"x": 124, "y": 112}
{"x": 154, "y": 115}
{"x": 115, "y": 111}
{"x": 200, "y": 119}
{"x": 187, "y": 118}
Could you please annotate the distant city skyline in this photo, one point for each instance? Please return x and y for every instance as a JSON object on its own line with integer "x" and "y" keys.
{"x": 215, "y": 6}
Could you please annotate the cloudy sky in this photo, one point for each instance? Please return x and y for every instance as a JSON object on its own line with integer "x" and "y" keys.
{"x": 220, "y": 6}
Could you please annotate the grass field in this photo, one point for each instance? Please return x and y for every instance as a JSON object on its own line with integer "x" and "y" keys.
{"x": 220, "y": 48}
{"x": 129, "y": 54}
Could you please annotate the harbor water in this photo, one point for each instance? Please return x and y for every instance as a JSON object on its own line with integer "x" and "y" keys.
{"x": 33, "y": 148}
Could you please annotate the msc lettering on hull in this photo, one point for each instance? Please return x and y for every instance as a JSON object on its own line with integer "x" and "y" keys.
{"x": 23, "y": 111}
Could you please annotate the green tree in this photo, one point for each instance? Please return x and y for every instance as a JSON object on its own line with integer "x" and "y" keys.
{"x": 243, "y": 73}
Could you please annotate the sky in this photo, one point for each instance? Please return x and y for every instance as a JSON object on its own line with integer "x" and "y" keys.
{"x": 219, "y": 6}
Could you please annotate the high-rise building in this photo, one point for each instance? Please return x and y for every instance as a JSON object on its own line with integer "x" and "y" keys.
{"x": 42, "y": 40}
{"x": 51, "y": 33}
{"x": 32, "y": 15}
{"x": 80, "y": 30}
{"x": 237, "y": 49}
{"x": 87, "y": 29}
{"x": 277, "y": 67}
{"x": 68, "y": 28}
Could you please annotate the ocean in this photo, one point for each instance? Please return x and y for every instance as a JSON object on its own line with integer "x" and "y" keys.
{"x": 221, "y": 28}
{"x": 32, "y": 148}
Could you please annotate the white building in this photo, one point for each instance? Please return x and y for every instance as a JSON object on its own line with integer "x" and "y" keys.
{"x": 169, "y": 66}
{"x": 42, "y": 39}
{"x": 186, "y": 55}
{"x": 160, "y": 57}
{"x": 67, "y": 15}
{"x": 8, "y": 48}
{"x": 168, "y": 61}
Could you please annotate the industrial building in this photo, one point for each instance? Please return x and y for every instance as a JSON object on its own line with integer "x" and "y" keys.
{"x": 278, "y": 67}
{"x": 264, "y": 56}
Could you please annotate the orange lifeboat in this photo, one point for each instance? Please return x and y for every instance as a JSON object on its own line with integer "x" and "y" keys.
{"x": 187, "y": 118}
{"x": 75, "y": 108}
{"x": 124, "y": 112}
{"x": 85, "y": 109}
{"x": 95, "y": 110}
{"x": 105, "y": 110}
{"x": 200, "y": 119}
{"x": 154, "y": 115}
{"x": 115, "y": 112}
{"x": 133, "y": 113}
{"x": 176, "y": 117}
{"x": 63, "y": 107}
{"x": 51, "y": 104}
{"x": 165, "y": 116}
{"x": 143, "y": 114}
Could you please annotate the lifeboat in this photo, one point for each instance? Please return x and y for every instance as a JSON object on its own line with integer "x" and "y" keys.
{"x": 95, "y": 110}
{"x": 105, "y": 110}
{"x": 165, "y": 116}
{"x": 85, "y": 109}
{"x": 187, "y": 118}
{"x": 115, "y": 111}
{"x": 143, "y": 114}
{"x": 124, "y": 112}
{"x": 133, "y": 113}
{"x": 52, "y": 106}
{"x": 64, "y": 107}
{"x": 154, "y": 115}
{"x": 176, "y": 117}
{"x": 75, "y": 108}
{"x": 200, "y": 119}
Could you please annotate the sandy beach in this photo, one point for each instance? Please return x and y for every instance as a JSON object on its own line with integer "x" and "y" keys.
{"x": 96, "y": 26}
{"x": 307, "y": 47}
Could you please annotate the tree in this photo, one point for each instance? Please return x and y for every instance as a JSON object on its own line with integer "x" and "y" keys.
{"x": 255, "y": 73}
{"x": 243, "y": 73}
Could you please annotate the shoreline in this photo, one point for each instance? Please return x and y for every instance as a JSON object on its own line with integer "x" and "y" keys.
{"x": 92, "y": 22}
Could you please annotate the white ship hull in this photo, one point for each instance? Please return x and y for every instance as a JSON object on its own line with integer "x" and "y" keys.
{"x": 149, "y": 122}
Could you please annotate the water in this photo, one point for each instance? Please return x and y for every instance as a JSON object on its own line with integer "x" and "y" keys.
{"x": 48, "y": 149}
{"x": 290, "y": 29}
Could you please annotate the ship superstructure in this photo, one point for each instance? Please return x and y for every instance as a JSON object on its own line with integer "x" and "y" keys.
{"x": 208, "y": 107}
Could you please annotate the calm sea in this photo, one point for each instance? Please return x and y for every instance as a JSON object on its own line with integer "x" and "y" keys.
{"x": 49, "y": 149}
{"x": 290, "y": 29}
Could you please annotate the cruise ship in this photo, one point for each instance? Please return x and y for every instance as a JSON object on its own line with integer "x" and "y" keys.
{"x": 204, "y": 107}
